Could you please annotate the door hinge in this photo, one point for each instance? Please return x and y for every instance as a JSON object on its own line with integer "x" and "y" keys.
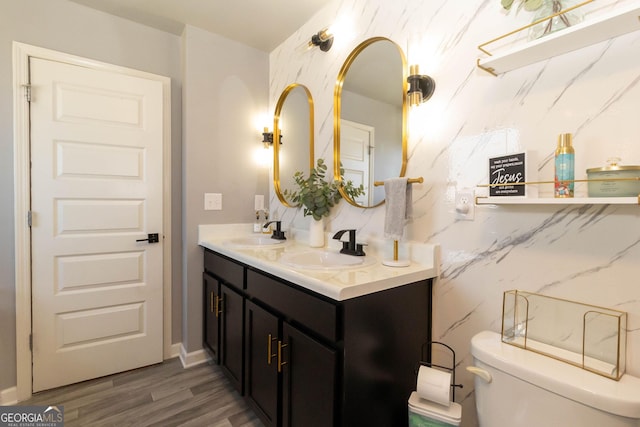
{"x": 29, "y": 218}
{"x": 31, "y": 342}
{"x": 27, "y": 92}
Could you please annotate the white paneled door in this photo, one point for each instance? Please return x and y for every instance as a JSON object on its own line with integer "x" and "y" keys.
{"x": 356, "y": 155}
{"x": 96, "y": 188}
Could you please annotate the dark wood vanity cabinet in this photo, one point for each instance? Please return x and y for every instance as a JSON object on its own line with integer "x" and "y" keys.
{"x": 309, "y": 379}
{"x": 211, "y": 328}
{"x": 291, "y": 377}
{"x": 306, "y": 360}
{"x": 262, "y": 379}
{"x": 224, "y": 315}
{"x": 232, "y": 335}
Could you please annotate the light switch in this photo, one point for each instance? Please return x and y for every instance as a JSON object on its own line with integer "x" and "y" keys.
{"x": 212, "y": 201}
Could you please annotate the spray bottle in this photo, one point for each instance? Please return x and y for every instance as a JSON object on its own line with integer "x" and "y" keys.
{"x": 564, "y": 167}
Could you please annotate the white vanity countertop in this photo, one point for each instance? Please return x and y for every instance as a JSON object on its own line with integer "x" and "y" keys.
{"x": 335, "y": 284}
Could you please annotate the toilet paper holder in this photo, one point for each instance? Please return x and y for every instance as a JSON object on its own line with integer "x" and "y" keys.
{"x": 451, "y": 369}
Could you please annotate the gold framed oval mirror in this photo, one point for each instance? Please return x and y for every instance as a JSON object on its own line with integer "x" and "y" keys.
{"x": 370, "y": 118}
{"x": 293, "y": 127}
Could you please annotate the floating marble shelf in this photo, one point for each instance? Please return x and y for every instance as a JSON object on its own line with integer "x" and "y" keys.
{"x": 515, "y": 200}
{"x": 622, "y": 20}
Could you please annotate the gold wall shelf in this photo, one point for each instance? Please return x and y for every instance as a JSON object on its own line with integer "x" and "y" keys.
{"x": 621, "y": 20}
{"x": 519, "y": 200}
{"x": 524, "y": 200}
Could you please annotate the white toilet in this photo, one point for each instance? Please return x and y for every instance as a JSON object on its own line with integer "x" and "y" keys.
{"x": 519, "y": 388}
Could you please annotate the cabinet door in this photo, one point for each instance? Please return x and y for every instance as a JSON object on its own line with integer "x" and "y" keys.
{"x": 309, "y": 381}
{"x": 211, "y": 325}
{"x": 261, "y": 379}
{"x": 231, "y": 335}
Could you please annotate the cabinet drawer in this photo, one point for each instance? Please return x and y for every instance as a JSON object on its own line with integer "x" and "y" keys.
{"x": 312, "y": 312}
{"x": 224, "y": 269}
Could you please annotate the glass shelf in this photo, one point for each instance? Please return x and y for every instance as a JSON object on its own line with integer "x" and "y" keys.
{"x": 590, "y": 337}
{"x": 621, "y": 20}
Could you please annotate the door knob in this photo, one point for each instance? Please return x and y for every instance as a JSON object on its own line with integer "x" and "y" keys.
{"x": 151, "y": 238}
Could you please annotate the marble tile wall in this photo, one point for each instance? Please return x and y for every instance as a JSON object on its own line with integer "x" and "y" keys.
{"x": 587, "y": 253}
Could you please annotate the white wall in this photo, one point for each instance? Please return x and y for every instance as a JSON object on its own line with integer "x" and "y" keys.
{"x": 585, "y": 253}
{"x": 75, "y": 29}
{"x": 225, "y": 88}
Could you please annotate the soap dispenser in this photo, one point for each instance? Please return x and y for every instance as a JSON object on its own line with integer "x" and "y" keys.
{"x": 257, "y": 226}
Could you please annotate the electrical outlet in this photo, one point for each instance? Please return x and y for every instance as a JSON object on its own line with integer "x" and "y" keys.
{"x": 465, "y": 204}
{"x": 212, "y": 201}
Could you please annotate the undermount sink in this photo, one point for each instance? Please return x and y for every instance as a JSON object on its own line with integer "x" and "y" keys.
{"x": 324, "y": 260}
{"x": 254, "y": 241}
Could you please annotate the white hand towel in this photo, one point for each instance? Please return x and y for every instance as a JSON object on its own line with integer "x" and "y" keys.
{"x": 398, "y": 201}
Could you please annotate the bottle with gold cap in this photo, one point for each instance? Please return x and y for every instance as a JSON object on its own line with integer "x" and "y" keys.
{"x": 564, "y": 166}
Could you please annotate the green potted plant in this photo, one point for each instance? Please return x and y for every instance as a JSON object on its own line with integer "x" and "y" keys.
{"x": 529, "y": 5}
{"x": 317, "y": 196}
{"x": 544, "y": 9}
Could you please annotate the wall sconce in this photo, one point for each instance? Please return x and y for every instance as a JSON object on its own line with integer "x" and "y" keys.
{"x": 267, "y": 138}
{"x": 323, "y": 39}
{"x": 421, "y": 87}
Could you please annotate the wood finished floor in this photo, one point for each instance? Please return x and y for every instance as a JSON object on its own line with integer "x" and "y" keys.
{"x": 160, "y": 395}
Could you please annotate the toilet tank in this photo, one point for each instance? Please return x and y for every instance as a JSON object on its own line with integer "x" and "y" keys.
{"x": 519, "y": 388}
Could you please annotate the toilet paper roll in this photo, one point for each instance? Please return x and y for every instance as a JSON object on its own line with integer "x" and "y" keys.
{"x": 434, "y": 385}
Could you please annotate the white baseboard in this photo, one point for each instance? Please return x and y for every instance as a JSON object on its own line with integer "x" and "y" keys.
{"x": 194, "y": 358}
{"x": 175, "y": 350}
{"x": 9, "y": 396}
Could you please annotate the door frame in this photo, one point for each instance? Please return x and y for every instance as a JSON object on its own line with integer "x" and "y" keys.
{"x": 22, "y": 200}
